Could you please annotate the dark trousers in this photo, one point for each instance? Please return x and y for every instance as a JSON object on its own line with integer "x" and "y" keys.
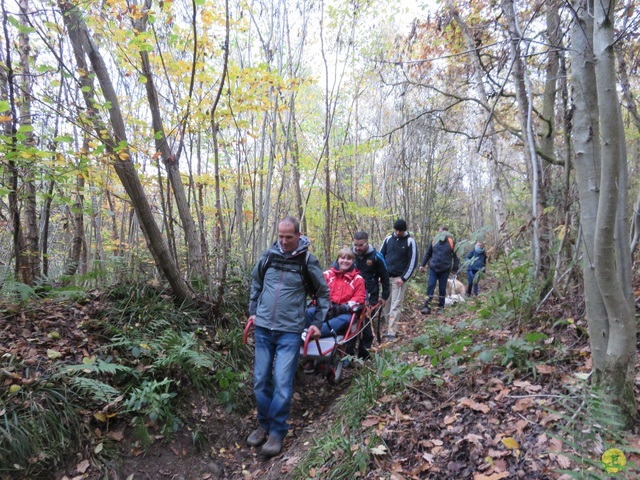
{"x": 441, "y": 278}
{"x": 366, "y": 340}
{"x": 470, "y": 276}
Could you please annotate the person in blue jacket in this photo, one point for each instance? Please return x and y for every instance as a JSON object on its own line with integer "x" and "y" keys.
{"x": 477, "y": 258}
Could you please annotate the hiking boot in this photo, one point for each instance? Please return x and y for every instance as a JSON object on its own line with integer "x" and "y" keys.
{"x": 440, "y": 310}
{"x": 257, "y": 437}
{"x": 425, "y": 311}
{"x": 273, "y": 446}
{"x": 389, "y": 337}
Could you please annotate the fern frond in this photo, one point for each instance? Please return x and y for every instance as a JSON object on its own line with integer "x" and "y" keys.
{"x": 95, "y": 389}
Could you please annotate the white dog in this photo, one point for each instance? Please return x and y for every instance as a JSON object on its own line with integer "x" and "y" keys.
{"x": 455, "y": 292}
{"x": 455, "y": 287}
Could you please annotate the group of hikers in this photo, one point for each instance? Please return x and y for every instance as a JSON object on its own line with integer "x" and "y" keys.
{"x": 287, "y": 273}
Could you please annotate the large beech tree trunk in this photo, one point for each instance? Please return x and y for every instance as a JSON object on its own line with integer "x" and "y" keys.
{"x": 601, "y": 174}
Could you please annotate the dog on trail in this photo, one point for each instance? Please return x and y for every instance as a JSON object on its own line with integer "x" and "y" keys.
{"x": 455, "y": 287}
{"x": 455, "y": 292}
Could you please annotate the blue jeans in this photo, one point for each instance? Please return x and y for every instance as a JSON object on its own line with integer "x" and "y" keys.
{"x": 276, "y": 360}
{"x": 339, "y": 324}
{"x": 441, "y": 278}
{"x": 470, "y": 276}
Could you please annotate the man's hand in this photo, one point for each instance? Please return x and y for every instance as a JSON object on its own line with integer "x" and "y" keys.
{"x": 382, "y": 302}
{"x": 399, "y": 282}
{"x": 313, "y": 332}
{"x": 422, "y": 269}
{"x": 251, "y": 318}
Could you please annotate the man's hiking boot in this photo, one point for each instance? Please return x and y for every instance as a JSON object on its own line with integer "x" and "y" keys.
{"x": 309, "y": 367}
{"x": 273, "y": 446}
{"x": 257, "y": 437}
{"x": 440, "y": 310}
{"x": 425, "y": 311}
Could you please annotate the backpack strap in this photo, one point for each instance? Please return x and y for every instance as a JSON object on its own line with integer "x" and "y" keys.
{"x": 449, "y": 239}
{"x": 302, "y": 264}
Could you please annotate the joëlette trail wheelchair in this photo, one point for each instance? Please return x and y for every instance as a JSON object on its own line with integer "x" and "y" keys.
{"x": 327, "y": 353}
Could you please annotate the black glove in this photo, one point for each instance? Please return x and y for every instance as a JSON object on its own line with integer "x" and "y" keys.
{"x": 335, "y": 310}
{"x": 344, "y": 308}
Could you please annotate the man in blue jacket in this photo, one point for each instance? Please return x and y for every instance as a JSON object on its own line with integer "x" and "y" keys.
{"x": 374, "y": 270}
{"x": 441, "y": 257}
{"x": 400, "y": 253}
{"x": 280, "y": 283}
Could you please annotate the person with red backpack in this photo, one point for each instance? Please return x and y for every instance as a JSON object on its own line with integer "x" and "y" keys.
{"x": 441, "y": 258}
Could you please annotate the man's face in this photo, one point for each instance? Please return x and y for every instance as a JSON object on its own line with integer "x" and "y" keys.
{"x": 360, "y": 247}
{"x": 400, "y": 233}
{"x": 287, "y": 238}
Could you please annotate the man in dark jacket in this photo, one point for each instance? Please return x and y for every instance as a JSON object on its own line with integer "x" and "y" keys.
{"x": 400, "y": 253}
{"x": 441, "y": 257}
{"x": 374, "y": 270}
{"x": 280, "y": 282}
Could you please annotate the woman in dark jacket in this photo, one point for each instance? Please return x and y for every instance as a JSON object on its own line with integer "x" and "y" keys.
{"x": 477, "y": 263}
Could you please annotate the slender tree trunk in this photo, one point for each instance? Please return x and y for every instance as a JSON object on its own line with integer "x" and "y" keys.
{"x": 525, "y": 107}
{"x": 490, "y": 139}
{"x": 83, "y": 45}
{"x": 31, "y": 252}
{"x": 224, "y": 247}
{"x": 195, "y": 259}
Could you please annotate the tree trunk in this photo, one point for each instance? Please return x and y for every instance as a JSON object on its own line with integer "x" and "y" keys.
{"x": 525, "y": 107}
{"x": 195, "y": 259}
{"x": 117, "y": 146}
{"x": 602, "y": 177}
{"x": 32, "y": 271}
{"x": 490, "y": 139}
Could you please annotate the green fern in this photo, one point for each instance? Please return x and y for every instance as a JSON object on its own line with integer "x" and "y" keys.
{"x": 98, "y": 366}
{"x": 95, "y": 389}
{"x": 589, "y": 428}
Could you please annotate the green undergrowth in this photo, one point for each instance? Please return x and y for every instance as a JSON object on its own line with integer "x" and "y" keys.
{"x": 589, "y": 427}
{"x": 147, "y": 358}
{"x": 346, "y": 448}
{"x": 485, "y": 337}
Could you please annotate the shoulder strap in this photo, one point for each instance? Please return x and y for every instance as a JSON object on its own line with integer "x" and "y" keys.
{"x": 451, "y": 243}
{"x": 303, "y": 270}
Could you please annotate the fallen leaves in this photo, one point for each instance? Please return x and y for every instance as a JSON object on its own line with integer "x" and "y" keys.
{"x": 472, "y": 404}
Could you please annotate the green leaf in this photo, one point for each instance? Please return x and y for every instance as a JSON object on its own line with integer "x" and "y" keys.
{"x": 142, "y": 79}
{"x": 4, "y": 106}
{"x": 486, "y": 356}
{"x": 64, "y": 139}
{"x": 534, "y": 337}
{"x": 22, "y": 28}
